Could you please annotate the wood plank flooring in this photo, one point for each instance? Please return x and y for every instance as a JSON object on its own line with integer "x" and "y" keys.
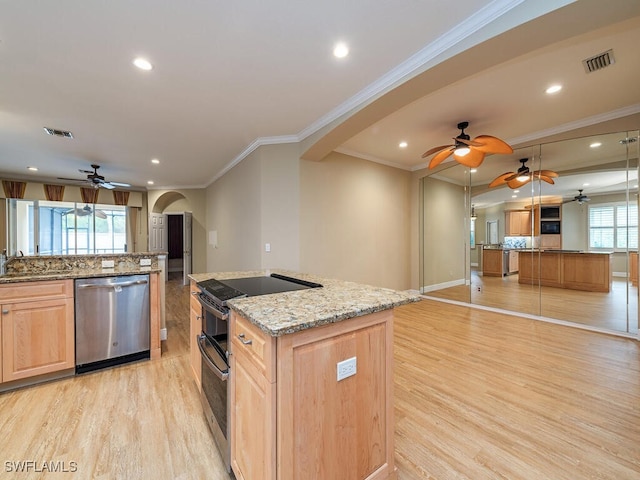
{"x": 478, "y": 395}
{"x": 616, "y": 310}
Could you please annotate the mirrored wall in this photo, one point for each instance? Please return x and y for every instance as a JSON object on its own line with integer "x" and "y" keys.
{"x": 563, "y": 245}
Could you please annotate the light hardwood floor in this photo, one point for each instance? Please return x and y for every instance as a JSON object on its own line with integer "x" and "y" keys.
{"x": 478, "y": 395}
{"x": 595, "y": 309}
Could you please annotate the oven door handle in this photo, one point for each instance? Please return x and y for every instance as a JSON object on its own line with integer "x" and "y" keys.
{"x": 211, "y": 309}
{"x": 219, "y": 373}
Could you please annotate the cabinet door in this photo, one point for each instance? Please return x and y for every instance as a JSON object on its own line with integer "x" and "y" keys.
{"x": 253, "y": 421}
{"x": 195, "y": 329}
{"x": 525, "y": 223}
{"x": 37, "y": 338}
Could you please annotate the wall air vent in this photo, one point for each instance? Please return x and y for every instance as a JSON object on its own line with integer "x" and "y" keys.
{"x": 58, "y": 133}
{"x": 599, "y": 61}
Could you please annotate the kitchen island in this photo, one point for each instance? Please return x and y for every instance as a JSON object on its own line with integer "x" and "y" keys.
{"x": 572, "y": 269}
{"x": 290, "y": 417}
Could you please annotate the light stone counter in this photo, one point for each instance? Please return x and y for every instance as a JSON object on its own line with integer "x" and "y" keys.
{"x": 61, "y": 267}
{"x": 283, "y": 313}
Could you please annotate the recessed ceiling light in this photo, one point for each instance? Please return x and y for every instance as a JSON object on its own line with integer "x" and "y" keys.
{"x": 586, "y": 184}
{"x": 473, "y": 170}
{"x": 341, "y": 50}
{"x": 596, "y": 144}
{"x": 155, "y": 160}
{"x": 150, "y": 182}
{"x": 142, "y": 63}
{"x": 514, "y": 196}
{"x": 516, "y": 191}
{"x": 33, "y": 169}
{"x": 403, "y": 144}
{"x": 553, "y": 89}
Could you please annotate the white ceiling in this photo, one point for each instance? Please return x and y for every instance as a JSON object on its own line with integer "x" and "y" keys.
{"x": 229, "y": 76}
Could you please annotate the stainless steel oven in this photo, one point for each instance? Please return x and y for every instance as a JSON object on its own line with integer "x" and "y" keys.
{"x": 213, "y": 343}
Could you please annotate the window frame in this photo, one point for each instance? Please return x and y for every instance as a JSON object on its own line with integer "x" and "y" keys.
{"x": 614, "y": 227}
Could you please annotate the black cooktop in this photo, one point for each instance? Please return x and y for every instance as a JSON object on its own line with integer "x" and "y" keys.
{"x": 253, "y": 286}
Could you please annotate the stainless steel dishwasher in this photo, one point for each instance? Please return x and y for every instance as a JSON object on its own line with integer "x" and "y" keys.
{"x": 112, "y": 321}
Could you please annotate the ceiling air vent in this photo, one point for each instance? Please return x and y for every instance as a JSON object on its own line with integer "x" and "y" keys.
{"x": 58, "y": 133}
{"x": 599, "y": 62}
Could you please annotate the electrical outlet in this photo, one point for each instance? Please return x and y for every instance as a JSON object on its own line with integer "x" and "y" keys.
{"x": 108, "y": 263}
{"x": 145, "y": 262}
{"x": 346, "y": 368}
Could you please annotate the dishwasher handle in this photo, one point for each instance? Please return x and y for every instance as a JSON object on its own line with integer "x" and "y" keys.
{"x": 112, "y": 285}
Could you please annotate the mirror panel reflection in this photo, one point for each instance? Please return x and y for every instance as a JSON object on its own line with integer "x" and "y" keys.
{"x": 562, "y": 244}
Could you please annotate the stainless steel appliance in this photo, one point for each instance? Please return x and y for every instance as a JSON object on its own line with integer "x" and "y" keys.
{"x": 112, "y": 321}
{"x": 212, "y": 342}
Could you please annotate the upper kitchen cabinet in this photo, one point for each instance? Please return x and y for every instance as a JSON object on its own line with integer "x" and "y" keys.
{"x": 517, "y": 223}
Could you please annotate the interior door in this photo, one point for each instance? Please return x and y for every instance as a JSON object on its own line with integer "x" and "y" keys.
{"x": 186, "y": 257}
{"x": 158, "y": 233}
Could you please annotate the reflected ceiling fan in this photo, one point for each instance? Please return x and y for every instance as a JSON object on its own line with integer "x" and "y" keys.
{"x": 580, "y": 198}
{"x": 86, "y": 210}
{"x": 466, "y": 151}
{"x": 96, "y": 180}
{"x": 523, "y": 176}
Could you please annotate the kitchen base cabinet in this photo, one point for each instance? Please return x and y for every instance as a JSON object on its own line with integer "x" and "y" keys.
{"x": 292, "y": 418}
{"x": 195, "y": 329}
{"x": 492, "y": 265}
{"x": 37, "y": 329}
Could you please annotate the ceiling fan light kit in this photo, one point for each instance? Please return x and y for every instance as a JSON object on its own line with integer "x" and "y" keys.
{"x": 465, "y": 151}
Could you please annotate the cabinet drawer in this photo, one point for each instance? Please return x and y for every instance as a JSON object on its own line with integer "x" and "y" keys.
{"x": 248, "y": 340}
{"x": 31, "y": 291}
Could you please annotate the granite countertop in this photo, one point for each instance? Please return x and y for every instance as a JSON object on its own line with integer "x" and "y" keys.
{"x": 288, "y": 312}
{"x": 62, "y": 267}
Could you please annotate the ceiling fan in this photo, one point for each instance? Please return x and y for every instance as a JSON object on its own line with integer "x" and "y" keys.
{"x": 96, "y": 180}
{"x": 522, "y": 176}
{"x": 466, "y": 151}
{"x": 86, "y": 210}
{"x": 580, "y": 198}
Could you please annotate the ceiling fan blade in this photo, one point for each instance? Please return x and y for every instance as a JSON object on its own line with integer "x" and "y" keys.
{"x": 515, "y": 175}
{"x": 489, "y": 144}
{"x": 119, "y": 184}
{"x": 548, "y": 173}
{"x": 472, "y": 159}
{"x": 89, "y": 172}
{"x": 440, "y": 157}
{"x": 99, "y": 213}
{"x": 515, "y": 183}
{"x": 471, "y": 143}
{"x": 547, "y": 179}
{"x": 106, "y": 185}
{"x": 435, "y": 149}
{"x": 72, "y": 179}
{"x": 501, "y": 179}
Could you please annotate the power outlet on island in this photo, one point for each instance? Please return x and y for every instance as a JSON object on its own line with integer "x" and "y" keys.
{"x": 145, "y": 262}
{"x": 346, "y": 368}
{"x": 108, "y": 263}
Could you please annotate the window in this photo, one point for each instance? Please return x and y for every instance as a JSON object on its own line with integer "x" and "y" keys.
{"x": 65, "y": 228}
{"x": 613, "y": 227}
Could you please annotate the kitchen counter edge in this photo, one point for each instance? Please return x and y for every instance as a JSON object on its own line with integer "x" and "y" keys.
{"x": 289, "y": 312}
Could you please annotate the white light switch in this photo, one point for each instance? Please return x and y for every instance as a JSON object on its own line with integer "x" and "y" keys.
{"x": 267, "y": 247}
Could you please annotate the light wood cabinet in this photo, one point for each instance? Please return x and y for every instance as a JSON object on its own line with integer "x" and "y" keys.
{"x": 513, "y": 261}
{"x": 550, "y": 241}
{"x": 195, "y": 329}
{"x": 517, "y": 223}
{"x": 492, "y": 259}
{"x": 289, "y": 413}
{"x": 37, "y": 329}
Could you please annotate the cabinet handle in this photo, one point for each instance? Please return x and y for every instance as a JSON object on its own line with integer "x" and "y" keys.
{"x": 244, "y": 342}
